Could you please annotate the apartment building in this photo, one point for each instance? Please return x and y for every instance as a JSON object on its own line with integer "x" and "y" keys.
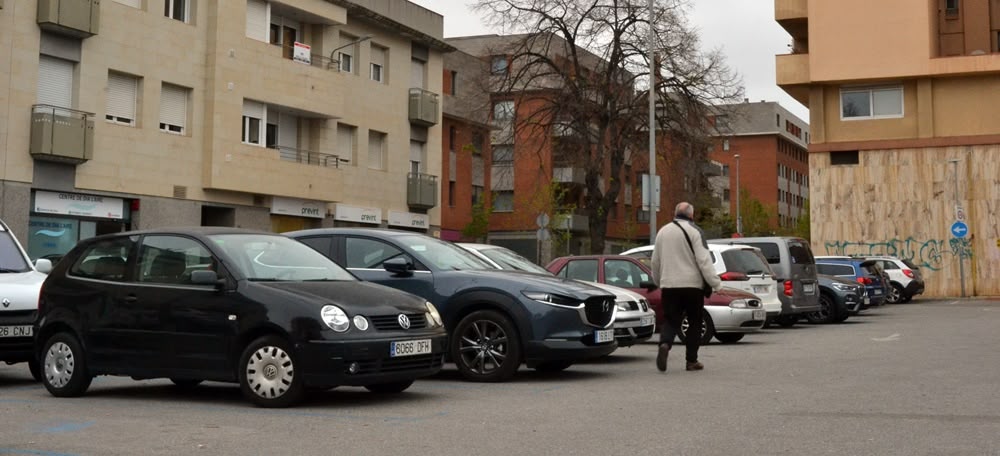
{"x": 769, "y": 144}
{"x": 273, "y": 115}
{"x": 903, "y": 137}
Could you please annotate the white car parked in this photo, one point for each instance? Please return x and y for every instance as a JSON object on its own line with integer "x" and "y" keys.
{"x": 20, "y": 282}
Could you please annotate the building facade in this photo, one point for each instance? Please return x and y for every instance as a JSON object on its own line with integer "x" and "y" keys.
{"x": 258, "y": 114}
{"x": 903, "y": 138}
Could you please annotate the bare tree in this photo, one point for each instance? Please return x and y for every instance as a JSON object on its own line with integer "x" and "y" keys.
{"x": 583, "y": 65}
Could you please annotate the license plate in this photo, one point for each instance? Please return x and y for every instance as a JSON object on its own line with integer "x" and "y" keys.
{"x": 809, "y": 288}
{"x": 760, "y": 289}
{"x": 759, "y": 314}
{"x": 878, "y": 292}
{"x": 647, "y": 320}
{"x": 409, "y": 348}
{"x": 15, "y": 331}
{"x": 604, "y": 335}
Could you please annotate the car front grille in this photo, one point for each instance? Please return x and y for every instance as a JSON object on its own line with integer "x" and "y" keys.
{"x": 599, "y": 311}
{"x": 402, "y": 364}
{"x": 629, "y": 305}
{"x": 391, "y": 322}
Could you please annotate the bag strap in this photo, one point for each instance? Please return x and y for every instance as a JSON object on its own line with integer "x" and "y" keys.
{"x": 690, "y": 245}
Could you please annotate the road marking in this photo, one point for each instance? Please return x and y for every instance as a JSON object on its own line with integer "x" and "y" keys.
{"x": 67, "y": 426}
{"x": 894, "y": 337}
{"x": 952, "y": 303}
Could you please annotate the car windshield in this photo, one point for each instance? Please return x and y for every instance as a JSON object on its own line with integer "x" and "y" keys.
{"x": 10, "y": 256}
{"x": 263, "y": 257}
{"x": 745, "y": 261}
{"x": 508, "y": 259}
{"x": 442, "y": 254}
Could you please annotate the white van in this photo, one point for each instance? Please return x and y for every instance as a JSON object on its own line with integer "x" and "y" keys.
{"x": 20, "y": 282}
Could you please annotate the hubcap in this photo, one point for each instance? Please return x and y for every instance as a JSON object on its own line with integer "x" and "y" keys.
{"x": 270, "y": 372}
{"x": 483, "y": 346}
{"x": 894, "y": 294}
{"x": 685, "y": 325}
{"x": 59, "y": 364}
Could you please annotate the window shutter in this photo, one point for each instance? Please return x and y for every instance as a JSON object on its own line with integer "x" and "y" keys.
{"x": 416, "y": 151}
{"x": 257, "y": 22}
{"x": 121, "y": 97}
{"x": 55, "y": 82}
{"x": 347, "y": 49}
{"x": 173, "y": 106}
{"x": 417, "y": 70}
{"x": 345, "y": 142}
{"x": 375, "y": 150}
{"x": 253, "y": 109}
{"x": 132, "y": 3}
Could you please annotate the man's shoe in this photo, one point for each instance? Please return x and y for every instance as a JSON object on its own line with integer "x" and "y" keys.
{"x": 661, "y": 357}
{"x": 695, "y": 366}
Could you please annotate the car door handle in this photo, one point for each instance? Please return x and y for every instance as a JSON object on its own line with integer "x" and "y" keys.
{"x": 131, "y": 298}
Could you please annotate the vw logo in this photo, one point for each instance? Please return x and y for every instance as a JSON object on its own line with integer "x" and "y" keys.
{"x": 404, "y": 321}
{"x": 270, "y": 371}
{"x": 6, "y": 302}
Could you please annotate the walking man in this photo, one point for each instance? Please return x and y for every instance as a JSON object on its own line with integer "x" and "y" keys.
{"x": 682, "y": 268}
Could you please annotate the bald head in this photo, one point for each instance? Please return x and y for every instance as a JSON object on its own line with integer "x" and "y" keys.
{"x": 684, "y": 209}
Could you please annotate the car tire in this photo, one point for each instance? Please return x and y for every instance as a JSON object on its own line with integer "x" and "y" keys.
{"x": 827, "y": 312}
{"x": 729, "y": 338}
{"x": 553, "y": 366}
{"x": 389, "y": 388}
{"x": 64, "y": 366}
{"x": 473, "y": 359}
{"x": 36, "y": 370}
{"x": 186, "y": 383}
{"x": 895, "y": 295}
{"x": 267, "y": 373}
{"x": 708, "y": 329}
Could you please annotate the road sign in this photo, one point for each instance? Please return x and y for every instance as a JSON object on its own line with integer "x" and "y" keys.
{"x": 543, "y": 234}
{"x": 959, "y": 229}
{"x": 542, "y": 220}
{"x": 959, "y": 214}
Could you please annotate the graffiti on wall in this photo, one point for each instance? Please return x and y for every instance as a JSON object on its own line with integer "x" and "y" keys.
{"x": 931, "y": 254}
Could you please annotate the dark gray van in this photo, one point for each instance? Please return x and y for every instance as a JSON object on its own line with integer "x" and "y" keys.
{"x": 794, "y": 267}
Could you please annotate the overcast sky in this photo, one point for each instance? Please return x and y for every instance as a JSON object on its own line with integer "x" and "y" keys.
{"x": 744, "y": 29}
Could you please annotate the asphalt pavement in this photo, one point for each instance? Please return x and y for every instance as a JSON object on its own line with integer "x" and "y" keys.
{"x": 906, "y": 379}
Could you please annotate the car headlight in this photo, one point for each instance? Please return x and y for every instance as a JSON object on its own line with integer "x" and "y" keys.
{"x": 622, "y": 306}
{"x": 844, "y": 286}
{"x": 335, "y": 318}
{"x": 739, "y": 304}
{"x": 433, "y": 317}
{"x": 549, "y": 298}
{"x": 361, "y": 322}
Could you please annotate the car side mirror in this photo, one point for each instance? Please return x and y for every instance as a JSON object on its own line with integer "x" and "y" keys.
{"x": 206, "y": 277}
{"x": 399, "y": 266}
{"x": 43, "y": 265}
{"x": 649, "y": 286}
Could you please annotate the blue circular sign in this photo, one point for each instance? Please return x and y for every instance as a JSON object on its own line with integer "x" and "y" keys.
{"x": 959, "y": 229}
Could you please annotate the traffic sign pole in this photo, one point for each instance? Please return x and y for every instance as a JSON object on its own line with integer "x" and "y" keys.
{"x": 959, "y": 230}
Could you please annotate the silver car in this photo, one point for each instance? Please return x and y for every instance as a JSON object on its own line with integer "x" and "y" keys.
{"x": 635, "y": 321}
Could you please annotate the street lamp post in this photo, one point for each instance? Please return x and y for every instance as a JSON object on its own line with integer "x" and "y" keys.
{"x": 739, "y": 217}
{"x": 333, "y": 53}
{"x": 653, "y": 202}
{"x": 961, "y": 252}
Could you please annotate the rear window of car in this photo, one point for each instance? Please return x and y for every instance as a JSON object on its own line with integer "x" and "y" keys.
{"x": 745, "y": 261}
{"x": 835, "y": 269}
{"x": 800, "y": 253}
{"x": 769, "y": 250}
{"x": 910, "y": 264}
{"x": 104, "y": 260}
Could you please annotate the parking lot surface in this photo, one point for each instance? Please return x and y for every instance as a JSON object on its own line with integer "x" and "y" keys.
{"x": 906, "y": 379}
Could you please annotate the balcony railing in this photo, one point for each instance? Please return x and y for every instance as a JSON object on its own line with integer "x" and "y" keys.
{"x": 572, "y": 222}
{"x": 423, "y": 107}
{"x": 565, "y": 173}
{"x": 61, "y": 134}
{"x": 421, "y": 190}
{"x": 76, "y": 18}
{"x": 308, "y": 157}
{"x": 310, "y": 58}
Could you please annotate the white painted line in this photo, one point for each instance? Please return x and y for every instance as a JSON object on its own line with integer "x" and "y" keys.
{"x": 893, "y": 338}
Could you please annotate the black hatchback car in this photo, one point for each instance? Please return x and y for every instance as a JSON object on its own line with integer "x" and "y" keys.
{"x": 228, "y": 305}
{"x": 496, "y": 319}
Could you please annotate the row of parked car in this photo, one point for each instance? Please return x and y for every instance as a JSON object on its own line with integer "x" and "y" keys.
{"x": 282, "y": 314}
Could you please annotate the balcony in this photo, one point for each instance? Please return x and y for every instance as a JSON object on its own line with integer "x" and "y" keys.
{"x": 792, "y": 75}
{"x": 572, "y": 222}
{"x": 421, "y": 190}
{"x": 793, "y": 15}
{"x": 76, "y": 18}
{"x": 568, "y": 174}
{"x": 711, "y": 169}
{"x": 423, "y": 107}
{"x": 61, "y": 135}
{"x": 308, "y": 157}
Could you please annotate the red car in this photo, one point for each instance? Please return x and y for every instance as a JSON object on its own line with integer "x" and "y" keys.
{"x": 729, "y": 313}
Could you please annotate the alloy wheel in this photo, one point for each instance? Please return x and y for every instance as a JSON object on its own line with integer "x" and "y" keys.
{"x": 483, "y": 346}
{"x": 270, "y": 372}
{"x": 895, "y": 295}
{"x": 59, "y": 364}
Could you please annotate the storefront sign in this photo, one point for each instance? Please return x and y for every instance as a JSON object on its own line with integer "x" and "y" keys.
{"x": 357, "y": 214}
{"x": 298, "y": 208}
{"x": 79, "y": 204}
{"x": 302, "y": 53}
{"x": 409, "y": 220}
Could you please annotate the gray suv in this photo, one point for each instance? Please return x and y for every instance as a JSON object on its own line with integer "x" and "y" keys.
{"x": 794, "y": 267}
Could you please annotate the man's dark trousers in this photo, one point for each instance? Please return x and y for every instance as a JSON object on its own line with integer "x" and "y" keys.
{"x": 676, "y": 303}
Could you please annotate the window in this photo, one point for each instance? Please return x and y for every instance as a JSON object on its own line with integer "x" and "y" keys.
{"x": 378, "y": 64}
{"x": 451, "y": 138}
{"x": 503, "y": 155}
{"x": 844, "y": 158}
{"x": 770, "y": 251}
{"x": 122, "y": 90}
{"x": 745, "y": 261}
{"x": 477, "y": 194}
{"x": 257, "y": 24}
{"x": 418, "y": 74}
{"x": 361, "y": 253}
{"x": 173, "y": 108}
{"x": 503, "y": 111}
{"x": 951, "y": 7}
{"x": 416, "y": 157}
{"x": 800, "y": 253}
{"x": 725, "y": 170}
{"x": 874, "y": 103}
{"x": 503, "y": 201}
{"x": 104, "y": 260}
{"x": 376, "y": 150}
{"x": 253, "y": 122}
{"x": 346, "y": 62}
{"x": 55, "y": 81}
{"x": 725, "y": 195}
{"x": 835, "y": 269}
{"x": 451, "y": 193}
{"x": 725, "y": 144}
{"x": 642, "y": 216}
{"x": 176, "y": 9}
{"x": 580, "y": 270}
{"x": 454, "y": 83}
{"x": 348, "y": 48}
{"x": 171, "y": 259}
{"x": 624, "y": 274}
{"x": 499, "y": 65}
{"x": 347, "y": 143}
